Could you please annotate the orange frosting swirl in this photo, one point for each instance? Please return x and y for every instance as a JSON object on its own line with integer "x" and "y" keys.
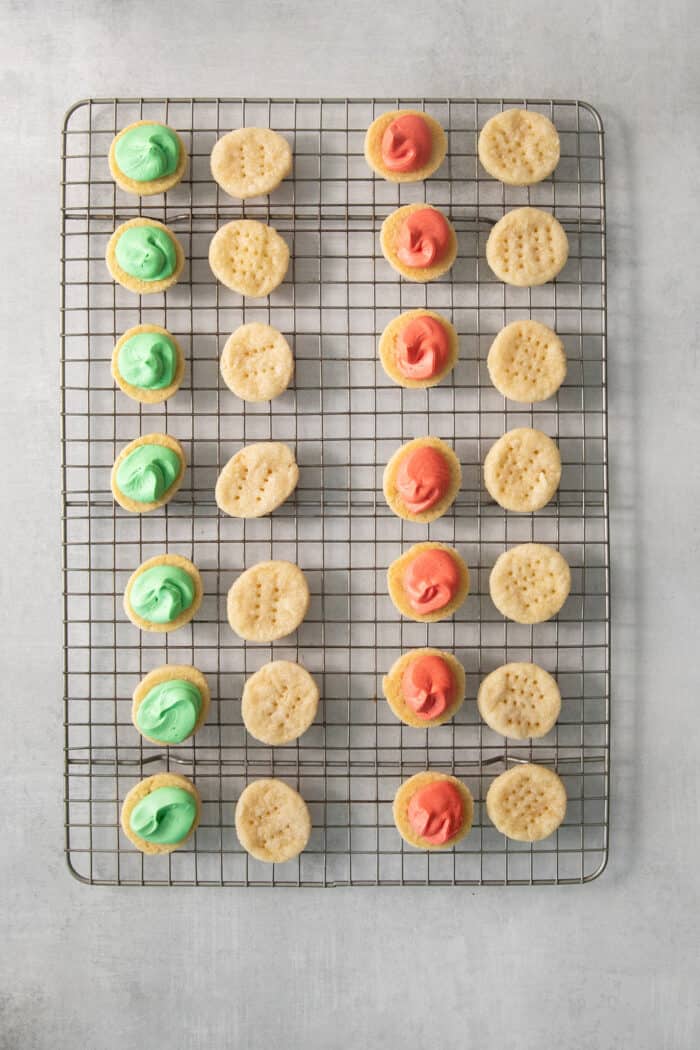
{"x": 421, "y": 348}
{"x": 423, "y": 238}
{"x": 431, "y": 580}
{"x": 436, "y": 812}
{"x": 406, "y": 144}
{"x": 423, "y": 478}
{"x": 428, "y": 686}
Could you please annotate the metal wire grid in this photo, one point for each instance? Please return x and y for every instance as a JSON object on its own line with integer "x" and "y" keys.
{"x": 345, "y": 418}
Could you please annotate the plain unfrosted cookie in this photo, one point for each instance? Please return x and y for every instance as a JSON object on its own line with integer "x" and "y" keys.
{"x": 171, "y": 673}
{"x": 527, "y": 803}
{"x": 135, "y": 284}
{"x": 388, "y": 348}
{"x": 402, "y": 800}
{"x": 273, "y": 823}
{"x": 373, "y": 146}
{"x": 164, "y": 441}
{"x": 530, "y": 583}
{"x": 257, "y": 480}
{"x": 249, "y": 162}
{"x": 268, "y": 601}
{"x": 522, "y": 470}
{"x": 180, "y": 563}
{"x": 519, "y": 147}
{"x": 527, "y": 247}
{"x": 397, "y": 593}
{"x": 249, "y": 257}
{"x": 519, "y": 701}
{"x": 257, "y": 363}
{"x": 526, "y": 362}
{"x": 279, "y": 702}
{"x": 392, "y": 688}
{"x": 392, "y": 494}
{"x": 141, "y": 791}
{"x": 389, "y": 240}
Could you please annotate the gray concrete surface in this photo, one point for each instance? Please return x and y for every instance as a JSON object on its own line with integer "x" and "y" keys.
{"x": 610, "y": 965}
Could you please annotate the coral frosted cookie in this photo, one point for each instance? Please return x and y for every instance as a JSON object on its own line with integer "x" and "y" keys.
{"x": 418, "y": 348}
{"x": 526, "y": 362}
{"x": 256, "y": 480}
{"x": 419, "y": 242}
{"x": 268, "y": 601}
{"x": 429, "y": 582}
{"x": 279, "y": 702}
{"x": 273, "y": 823}
{"x": 527, "y": 247}
{"x": 147, "y": 158}
{"x": 148, "y": 363}
{"x": 530, "y": 583}
{"x": 257, "y": 363}
{"x": 144, "y": 256}
{"x": 170, "y": 704}
{"x": 161, "y": 812}
{"x": 248, "y": 162}
{"x": 522, "y": 470}
{"x": 148, "y": 472}
{"x": 164, "y": 593}
{"x": 422, "y": 479}
{"x": 433, "y": 810}
{"x": 405, "y": 145}
{"x": 519, "y": 147}
{"x": 527, "y": 803}
{"x": 519, "y": 701}
{"x": 249, "y": 257}
{"x": 425, "y": 687}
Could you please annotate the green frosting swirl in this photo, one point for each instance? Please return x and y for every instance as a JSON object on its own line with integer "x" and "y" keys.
{"x": 148, "y": 152}
{"x": 147, "y": 253}
{"x": 146, "y": 474}
{"x": 162, "y": 593}
{"x": 165, "y": 816}
{"x": 148, "y": 360}
{"x": 169, "y": 711}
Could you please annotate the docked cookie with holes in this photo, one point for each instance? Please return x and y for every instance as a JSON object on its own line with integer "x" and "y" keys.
{"x": 249, "y": 257}
{"x": 519, "y": 147}
{"x": 527, "y": 803}
{"x": 273, "y": 822}
{"x": 526, "y": 362}
{"x": 249, "y": 162}
{"x": 522, "y": 470}
{"x": 519, "y": 701}
{"x": 530, "y": 583}
{"x": 257, "y": 480}
{"x": 268, "y": 601}
{"x": 257, "y": 363}
{"x": 527, "y": 247}
{"x": 279, "y": 702}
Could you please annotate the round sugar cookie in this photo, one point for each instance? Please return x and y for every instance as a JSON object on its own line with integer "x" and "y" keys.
{"x": 519, "y": 701}
{"x": 402, "y": 801}
{"x": 143, "y": 394}
{"x": 257, "y": 363}
{"x": 393, "y": 495}
{"x": 141, "y": 791}
{"x": 249, "y": 257}
{"x": 530, "y": 583}
{"x": 157, "y": 440}
{"x": 397, "y": 592}
{"x": 389, "y": 240}
{"x": 526, "y": 803}
{"x": 136, "y": 284}
{"x": 147, "y": 188}
{"x": 519, "y": 147}
{"x": 268, "y": 601}
{"x": 527, "y": 247}
{"x": 389, "y": 346}
{"x": 526, "y": 362}
{"x": 171, "y": 673}
{"x": 185, "y": 616}
{"x": 273, "y": 822}
{"x": 249, "y": 162}
{"x": 393, "y": 691}
{"x": 522, "y": 470}
{"x": 373, "y": 146}
{"x": 256, "y": 480}
{"x": 279, "y": 702}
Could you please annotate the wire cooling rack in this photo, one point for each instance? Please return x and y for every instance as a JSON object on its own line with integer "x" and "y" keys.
{"x": 344, "y": 417}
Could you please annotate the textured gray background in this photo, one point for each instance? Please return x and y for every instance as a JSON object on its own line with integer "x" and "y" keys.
{"x": 609, "y": 965}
